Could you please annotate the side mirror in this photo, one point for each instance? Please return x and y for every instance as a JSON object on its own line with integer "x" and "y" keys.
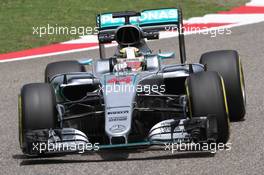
{"x": 87, "y": 61}
{"x": 166, "y": 55}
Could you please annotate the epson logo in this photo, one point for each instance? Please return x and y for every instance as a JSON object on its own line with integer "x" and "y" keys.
{"x": 117, "y": 112}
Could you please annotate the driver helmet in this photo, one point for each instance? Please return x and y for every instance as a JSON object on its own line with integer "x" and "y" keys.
{"x": 129, "y": 52}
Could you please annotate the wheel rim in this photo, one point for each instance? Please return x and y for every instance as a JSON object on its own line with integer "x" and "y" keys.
{"x": 20, "y": 121}
{"x": 242, "y": 83}
{"x": 226, "y": 105}
{"x": 189, "y": 100}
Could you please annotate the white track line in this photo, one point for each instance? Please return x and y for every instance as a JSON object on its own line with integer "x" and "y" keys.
{"x": 256, "y": 3}
{"x": 48, "y": 54}
{"x": 227, "y": 18}
{"x": 83, "y": 40}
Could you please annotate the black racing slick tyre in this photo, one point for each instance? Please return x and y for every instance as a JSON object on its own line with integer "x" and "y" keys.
{"x": 206, "y": 93}
{"x": 228, "y": 64}
{"x": 37, "y": 110}
{"x": 61, "y": 67}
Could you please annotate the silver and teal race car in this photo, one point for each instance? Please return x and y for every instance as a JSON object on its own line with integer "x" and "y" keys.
{"x": 132, "y": 99}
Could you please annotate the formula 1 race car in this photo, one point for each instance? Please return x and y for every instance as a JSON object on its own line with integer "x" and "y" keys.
{"x": 131, "y": 99}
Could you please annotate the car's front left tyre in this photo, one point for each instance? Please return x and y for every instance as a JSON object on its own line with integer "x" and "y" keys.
{"x": 37, "y": 110}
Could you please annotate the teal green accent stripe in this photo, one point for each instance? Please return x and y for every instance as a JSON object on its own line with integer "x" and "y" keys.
{"x": 146, "y": 143}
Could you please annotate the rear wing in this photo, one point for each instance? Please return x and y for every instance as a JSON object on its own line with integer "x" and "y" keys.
{"x": 154, "y": 18}
{"x": 148, "y": 20}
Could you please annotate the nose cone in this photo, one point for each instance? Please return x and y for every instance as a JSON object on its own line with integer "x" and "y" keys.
{"x": 119, "y": 93}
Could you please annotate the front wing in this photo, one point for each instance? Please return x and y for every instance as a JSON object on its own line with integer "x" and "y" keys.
{"x": 69, "y": 140}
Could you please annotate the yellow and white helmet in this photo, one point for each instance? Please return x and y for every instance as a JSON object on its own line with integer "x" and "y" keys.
{"x": 129, "y": 52}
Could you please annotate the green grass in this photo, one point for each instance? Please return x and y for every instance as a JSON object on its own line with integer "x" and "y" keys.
{"x": 18, "y": 17}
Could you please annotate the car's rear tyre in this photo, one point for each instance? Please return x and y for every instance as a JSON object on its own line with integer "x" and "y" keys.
{"x": 229, "y": 66}
{"x": 37, "y": 110}
{"x": 61, "y": 67}
{"x": 206, "y": 93}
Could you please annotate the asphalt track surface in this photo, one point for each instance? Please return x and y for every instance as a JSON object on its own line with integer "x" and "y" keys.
{"x": 245, "y": 157}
